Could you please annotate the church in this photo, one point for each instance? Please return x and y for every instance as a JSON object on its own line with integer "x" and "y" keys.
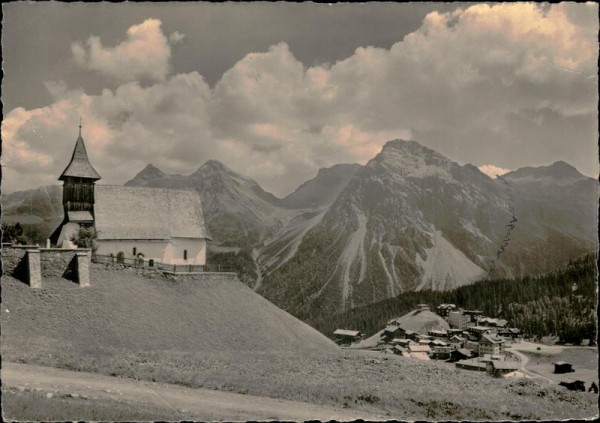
{"x": 163, "y": 225}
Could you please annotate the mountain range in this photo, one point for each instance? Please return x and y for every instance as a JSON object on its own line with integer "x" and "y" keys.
{"x": 410, "y": 219}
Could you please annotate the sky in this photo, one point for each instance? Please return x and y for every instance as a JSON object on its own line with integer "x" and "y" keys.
{"x": 276, "y": 91}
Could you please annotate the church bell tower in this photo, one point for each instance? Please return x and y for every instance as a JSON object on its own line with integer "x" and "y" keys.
{"x": 78, "y": 179}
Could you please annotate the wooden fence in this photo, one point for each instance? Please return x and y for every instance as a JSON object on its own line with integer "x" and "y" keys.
{"x": 151, "y": 264}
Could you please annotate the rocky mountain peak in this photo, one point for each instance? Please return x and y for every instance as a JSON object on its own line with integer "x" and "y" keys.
{"x": 409, "y": 158}
{"x": 146, "y": 174}
{"x": 559, "y": 172}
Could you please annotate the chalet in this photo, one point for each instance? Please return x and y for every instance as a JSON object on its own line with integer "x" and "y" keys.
{"x": 563, "y": 367}
{"x": 420, "y": 352}
{"x": 478, "y": 331}
{"x": 165, "y": 226}
{"x": 471, "y": 345}
{"x": 491, "y": 322}
{"x": 441, "y": 353}
{"x": 346, "y": 337}
{"x": 403, "y": 342}
{"x": 460, "y": 354}
{"x": 512, "y": 333}
{"x": 438, "y": 333}
{"x": 390, "y": 332}
{"x": 400, "y": 350}
{"x": 499, "y": 368}
{"x": 491, "y": 345}
{"x": 419, "y": 348}
{"x": 457, "y": 341}
{"x": 444, "y": 309}
{"x": 472, "y": 364}
{"x": 423, "y": 307}
{"x": 409, "y": 334}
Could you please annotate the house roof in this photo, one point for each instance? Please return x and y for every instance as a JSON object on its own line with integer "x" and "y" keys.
{"x": 419, "y": 355}
{"x": 505, "y": 365}
{"x": 419, "y": 348}
{"x": 391, "y": 328}
{"x": 79, "y": 166}
{"x": 491, "y": 339}
{"x": 346, "y": 332}
{"x": 148, "y": 213}
{"x": 80, "y": 216}
{"x": 401, "y": 341}
{"x": 562, "y": 363}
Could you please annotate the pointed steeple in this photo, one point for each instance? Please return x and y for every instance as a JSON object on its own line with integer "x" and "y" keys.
{"x": 79, "y": 166}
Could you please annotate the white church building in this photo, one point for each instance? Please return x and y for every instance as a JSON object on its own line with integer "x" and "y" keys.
{"x": 163, "y": 225}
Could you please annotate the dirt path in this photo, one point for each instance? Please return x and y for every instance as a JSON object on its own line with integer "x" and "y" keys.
{"x": 523, "y": 362}
{"x": 199, "y": 404}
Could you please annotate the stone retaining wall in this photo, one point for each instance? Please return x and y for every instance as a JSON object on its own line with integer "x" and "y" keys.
{"x": 32, "y": 264}
{"x": 11, "y": 257}
{"x": 58, "y": 263}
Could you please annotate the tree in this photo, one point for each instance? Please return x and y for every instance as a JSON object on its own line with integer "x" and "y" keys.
{"x": 85, "y": 238}
{"x": 13, "y": 234}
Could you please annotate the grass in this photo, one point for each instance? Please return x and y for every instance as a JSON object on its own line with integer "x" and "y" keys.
{"x": 32, "y": 405}
{"x": 220, "y": 335}
{"x": 399, "y": 387}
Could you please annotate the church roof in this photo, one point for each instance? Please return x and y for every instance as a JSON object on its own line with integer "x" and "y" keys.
{"x": 79, "y": 166}
{"x": 147, "y": 213}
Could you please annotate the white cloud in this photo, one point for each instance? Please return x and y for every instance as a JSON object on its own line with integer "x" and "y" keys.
{"x": 176, "y": 37}
{"x": 481, "y": 85}
{"x": 144, "y": 54}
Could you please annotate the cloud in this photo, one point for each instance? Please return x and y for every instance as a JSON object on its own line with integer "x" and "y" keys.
{"x": 144, "y": 54}
{"x": 482, "y": 85}
{"x": 493, "y": 171}
{"x": 176, "y": 37}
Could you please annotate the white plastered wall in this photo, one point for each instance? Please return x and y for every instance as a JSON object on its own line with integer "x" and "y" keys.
{"x": 196, "y": 251}
{"x": 67, "y": 231}
{"x": 151, "y": 249}
{"x": 164, "y": 251}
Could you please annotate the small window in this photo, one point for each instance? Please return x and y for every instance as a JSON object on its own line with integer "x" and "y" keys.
{"x": 185, "y": 254}
{"x": 134, "y": 251}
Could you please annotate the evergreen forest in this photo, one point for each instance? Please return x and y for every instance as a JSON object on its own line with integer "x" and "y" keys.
{"x": 560, "y": 303}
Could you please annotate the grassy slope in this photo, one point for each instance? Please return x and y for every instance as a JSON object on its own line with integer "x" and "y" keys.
{"x": 37, "y": 406}
{"x": 219, "y": 334}
{"x": 123, "y": 310}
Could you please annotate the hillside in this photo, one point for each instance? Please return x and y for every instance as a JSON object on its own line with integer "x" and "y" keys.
{"x": 323, "y": 189}
{"x": 539, "y": 305}
{"x": 124, "y": 311}
{"x": 39, "y": 211}
{"x": 412, "y": 219}
{"x": 215, "y": 333}
{"x": 419, "y": 321}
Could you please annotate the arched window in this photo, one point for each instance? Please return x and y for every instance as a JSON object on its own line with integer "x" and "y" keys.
{"x": 185, "y": 254}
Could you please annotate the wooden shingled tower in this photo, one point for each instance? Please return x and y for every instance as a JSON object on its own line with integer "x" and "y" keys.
{"x": 79, "y": 178}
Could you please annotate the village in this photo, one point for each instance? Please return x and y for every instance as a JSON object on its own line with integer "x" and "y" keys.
{"x": 465, "y": 338}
